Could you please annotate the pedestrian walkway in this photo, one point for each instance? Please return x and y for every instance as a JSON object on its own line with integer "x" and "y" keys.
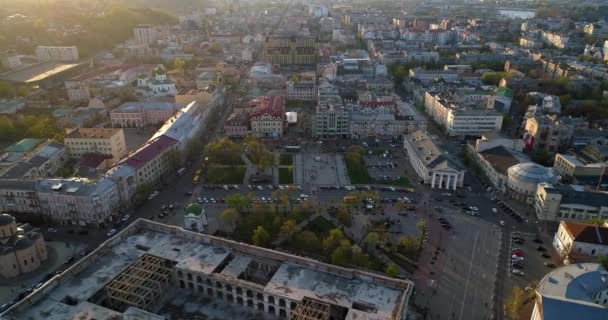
{"x": 250, "y": 169}
{"x": 298, "y": 167}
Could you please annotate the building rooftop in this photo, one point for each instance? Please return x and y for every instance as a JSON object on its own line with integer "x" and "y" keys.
{"x": 82, "y": 287}
{"x": 149, "y": 151}
{"x": 92, "y": 133}
{"x": 37, "y": 72}
{"x": 428, "y": 152}
{"x": 73, "y": 187}
{"x": 129, "y": 107}
{"x": 25, "y": 145}
{"x": 18, "y": 170}
{"x": 587, "y": 232}
{"x": 532, "y": 172}
{"x": 567, "y": 292}
{"x": 573, "y": 195}
{"x": 500, "y": 158}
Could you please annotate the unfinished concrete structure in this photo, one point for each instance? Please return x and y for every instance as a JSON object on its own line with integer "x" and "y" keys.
{"x": 148, "y": 265}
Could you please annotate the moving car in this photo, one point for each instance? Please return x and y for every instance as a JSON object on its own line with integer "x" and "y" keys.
{"x": 153, "y": 194}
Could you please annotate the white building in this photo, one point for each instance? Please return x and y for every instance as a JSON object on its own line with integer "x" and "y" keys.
{"x": 430, "y": 164}
{"x": 195, "y": 218}
{"x": 581, "y": 240}
{"x": 426, "y": 76}
{"x": 158, "y": 85}
{"x": 268, "y": 117}
{"x": 52, "y": 53}
{"x": 570, "y": 203}
{"x": 82, "y": 141}
{"x": 10, "y": 60}
{"x": 145, "y": 34}
{"x": 523, "y": 180}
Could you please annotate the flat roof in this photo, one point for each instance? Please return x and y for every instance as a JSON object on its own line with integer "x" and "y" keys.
{"x": 293, "y": 277}
{"x": 37, "y": 72}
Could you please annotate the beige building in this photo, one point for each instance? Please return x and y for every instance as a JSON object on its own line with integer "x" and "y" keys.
{"x": 570, "y": 202}
{"x": 268, "y": 118}
{"x": 568, "y": 166}
{"x": 141, "y": 114}
{"x": 548, "y": 133}
{"x": 54, "y": 53}
{"x": 581, "y": 240}
{"x": 83, "y": 141}
{"x": 22, "y": 248}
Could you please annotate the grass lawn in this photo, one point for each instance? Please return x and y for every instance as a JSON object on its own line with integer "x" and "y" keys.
{"x": 357, "y": 172}
{"x": 403, "y": 182}
{"x": 286, "y": 159}
{"x": 224, "y": 175}
{"x": 286, "y": 175}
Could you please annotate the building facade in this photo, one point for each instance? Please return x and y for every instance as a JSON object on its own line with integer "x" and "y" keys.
{"x": 569, "y": 203}
{"x": 430, "y": 164}
{"x": 581, "y": 240}
{"x": 81, "y": 141}
{"x": 291, "y": 50}
{"x": 145, "y": 34}
{"x": 53, "y": 53}
{"x": 302, "y": 91}
{"x": 268, "y": 117}
{"x": 22, "y": 248}
{"x": 141, "y": 114}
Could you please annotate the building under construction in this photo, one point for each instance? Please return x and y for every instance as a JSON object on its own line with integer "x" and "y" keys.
{"x": 148, "y": 266}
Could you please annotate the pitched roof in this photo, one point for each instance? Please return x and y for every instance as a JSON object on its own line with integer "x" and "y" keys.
{"x": 272, "y": 105}
{"x": 24, "y": 145}
{"x": 149, "y": 151}
{"x": 586, "y": 232}
{"x": 98, "y": 133}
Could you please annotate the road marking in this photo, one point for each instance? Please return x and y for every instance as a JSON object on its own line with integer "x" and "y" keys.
{"x": 466, "y": 287}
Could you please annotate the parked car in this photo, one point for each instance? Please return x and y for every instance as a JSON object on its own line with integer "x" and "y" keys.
{"x": 111, "y": 232}
{"x": 549, "y": 265}
{"x": 541, "y": 249}
{"x": 517, "y": 272}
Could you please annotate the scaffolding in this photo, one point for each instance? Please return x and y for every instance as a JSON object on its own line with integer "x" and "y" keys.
{"x": 311, "y": 309}
{"x": 141, "y": 285}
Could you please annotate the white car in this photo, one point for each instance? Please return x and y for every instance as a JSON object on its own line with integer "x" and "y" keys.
{"x": 152, "y": 195}
{"x": 111, "y": 232}
{"x": 502, "y": 222}
{"x": 494, "y": 210}
{"x": 517, "y": 272}
{"x": 51, "y": 230}
{"x": 516, "y": 257}
{"x": 126, "y": 218}
{"x": 260, "y": 188}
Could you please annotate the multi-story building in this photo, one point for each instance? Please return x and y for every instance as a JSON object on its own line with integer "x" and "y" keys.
{"x": 291, "y": 50}
{"x": 548, "y": 133}
{"x": 302, "y": 90}
{"x": 19, "y": 197}
{"x": 383, "y": 119}
{"x": 184, "y": 126}
{"x": 42, "y": 162}
{"x": 461, "y": 121}
{"x": 555, "y": 39}
{"x": 237, "y": 124}
{"x": 141, "y": 114}
{"x": 268, "y": 117}
{"x": 574, "y": 291}
{"x": 436, "y": 36}
{"x": 426, "y": 76}
{"x": 205, "y": 79}
{"x": 330, "y": 121}
{"x": 81, "y": 141}
{"x": 78, "y": 201}
{"x": 192, "y": 265}
{"x": 10, "y": 59}
{"x": 152, "y": 160}
{"x": 77, "y": 91}
{"x": 52, "y": 53}
{"x": 581, "y": 240}
{"x": 568, "y": 166}
{"x": 145, "y": 34}
{"x": 569, "y": 202}
{"x": 429, "y": 162}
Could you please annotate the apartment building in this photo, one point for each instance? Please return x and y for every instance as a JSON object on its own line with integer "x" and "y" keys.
{"x": 141, "y": 114}
{"x": 54, "y": 53}
{"x": 427, "y": 76}
{"x": 268, "y": 117}
{"x": 237, "y": 124}
{"x": 10, "y": 59}
{"x": 20, "y": 198}
{"x": 77, "y": 91}
{"x": 285, "y": 50}
{"x": 548, "y": 132}
{"x": 570, "y": 203}
{"x": 429, "y": 162}
{"x": 152, "y": 160}
{"x": 82, "y": 141}
{"x": 302, "y": 91}
{"x": 145, "y": 34}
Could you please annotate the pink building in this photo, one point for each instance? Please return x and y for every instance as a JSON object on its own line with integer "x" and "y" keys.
{"x": 141, "y": 114}
{"x": 237, "y": 124}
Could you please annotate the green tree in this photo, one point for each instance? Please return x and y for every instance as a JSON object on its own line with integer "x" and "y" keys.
{"x": 259, "y": 154}
{"x": 224, "y": 151}
{"x": 372, "y": 239}
{"x": 230, "y": 217}
{"x": 193, "y": 148}
{"x": 7, "y": 90}
{"x": 514, "y": 303}
{"x": 409, "y": 246}
{"x": 341, "y": 255}
{"x": 179, "y": 64}
{"x": 307, "y": 241}
{"x": 597, "y": 221}
{"x": 392, "y": 270}
{"x": 332, "y": 241}
{"x": 288, "y": 228}
{"x": 603, "y": 260}
{"x": 260, "y": 237}
{"x": 421, "y": 226}
{"x": 359, "y": 258}
{"x": 344, "y": 216}
{"x": 64, "y": 172}
{"x": 143, "y": 190}
{"x": 238, "y": 201}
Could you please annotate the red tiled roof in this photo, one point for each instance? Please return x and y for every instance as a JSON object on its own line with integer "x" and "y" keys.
{"x": 587, "y": 233}
{"x": 272, "y": 105}
{"x": 150, "y": 151}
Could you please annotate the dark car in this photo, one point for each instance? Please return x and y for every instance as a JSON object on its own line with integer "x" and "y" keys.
{"x": 537, "y": 240}
{"x": 541, "y": 249}
{"x": 545, "y": 255}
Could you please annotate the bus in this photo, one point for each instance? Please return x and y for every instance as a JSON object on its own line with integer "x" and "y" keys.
{"x": 196, "y": 179}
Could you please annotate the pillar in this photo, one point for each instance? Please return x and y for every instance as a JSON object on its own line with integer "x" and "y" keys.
{"x": 433, "y": 181}
{"x": 455, "y": 181}
{"x": 440, "y": 181}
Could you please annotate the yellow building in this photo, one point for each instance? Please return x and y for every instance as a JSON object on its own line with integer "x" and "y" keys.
{"x": 83, "y": 141}
{"x": 291, "y": 50}
{"x": 21, "y": 250}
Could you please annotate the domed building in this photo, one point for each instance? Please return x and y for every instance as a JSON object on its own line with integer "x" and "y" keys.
{"x": 158, "y": 85}
{"x": 22, "y": 248}
{"x": 524, "y": 178}
{"x": 195, "y": 218}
